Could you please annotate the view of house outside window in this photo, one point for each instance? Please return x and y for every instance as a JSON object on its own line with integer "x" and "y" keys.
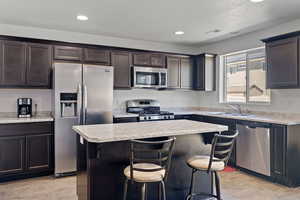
{"x": 245, "y": 77}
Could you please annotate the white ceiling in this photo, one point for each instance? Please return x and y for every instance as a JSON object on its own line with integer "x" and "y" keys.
{"x": 152, "y": 20}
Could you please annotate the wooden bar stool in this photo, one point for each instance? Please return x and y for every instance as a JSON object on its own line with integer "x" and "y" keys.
{"x": 149, "y": 163}
{"x": 222, "y": 145}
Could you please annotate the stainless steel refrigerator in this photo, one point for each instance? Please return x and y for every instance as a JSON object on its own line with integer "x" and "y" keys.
{"x": 82, "y": 94}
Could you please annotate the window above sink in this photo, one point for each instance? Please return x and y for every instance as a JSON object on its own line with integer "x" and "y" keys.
{"x": 243, "y": 77}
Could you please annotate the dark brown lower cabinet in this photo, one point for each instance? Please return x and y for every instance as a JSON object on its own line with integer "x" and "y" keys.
{"x": 278, "y": 151}
{"x": 26, "y": 150}
{"x": 12, "y": 155}
{"x": 285, "y": 153}
{"x": 39, "y": 150}
{"x": 284, "y": 148}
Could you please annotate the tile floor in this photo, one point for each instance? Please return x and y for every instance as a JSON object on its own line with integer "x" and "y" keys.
{"x": 235, "y": 186}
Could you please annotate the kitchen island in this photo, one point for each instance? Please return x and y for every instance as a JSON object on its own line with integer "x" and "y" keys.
{"x": 103, "y": 153}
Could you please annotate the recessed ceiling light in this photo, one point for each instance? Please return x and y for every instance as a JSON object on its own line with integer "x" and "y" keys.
{"x": 179, "y": 33}
{"x": 82, "y": 17}
{"x": 256, "y": 1}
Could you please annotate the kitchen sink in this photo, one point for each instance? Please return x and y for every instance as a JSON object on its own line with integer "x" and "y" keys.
{"x": 239, "y": 114}
{"x": 232, "y": 114}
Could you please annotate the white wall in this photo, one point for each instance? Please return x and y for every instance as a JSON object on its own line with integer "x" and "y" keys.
{"x": 167, "y": 98}
{"x": 66, "y": 36}
{"x": 281, "y": 100}
{"x": 8, "y": 99}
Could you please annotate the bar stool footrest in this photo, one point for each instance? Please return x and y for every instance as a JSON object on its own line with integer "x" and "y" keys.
{"x": 189, "y": 197}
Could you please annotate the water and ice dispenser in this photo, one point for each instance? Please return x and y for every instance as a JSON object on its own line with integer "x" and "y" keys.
{"x": 68, "y": 105}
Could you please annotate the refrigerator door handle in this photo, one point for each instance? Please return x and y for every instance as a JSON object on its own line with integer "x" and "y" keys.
{"x": 79, "y": 102}
{"x": 84, "y": 103}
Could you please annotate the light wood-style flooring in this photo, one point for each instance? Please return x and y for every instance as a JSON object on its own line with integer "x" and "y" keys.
{"x": 235, "y": 186}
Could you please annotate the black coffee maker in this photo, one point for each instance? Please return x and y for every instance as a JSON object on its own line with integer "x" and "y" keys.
{"x": 24, "y": 107}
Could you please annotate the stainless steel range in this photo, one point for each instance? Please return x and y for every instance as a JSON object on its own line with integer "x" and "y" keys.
{"x": 148, "y": 110}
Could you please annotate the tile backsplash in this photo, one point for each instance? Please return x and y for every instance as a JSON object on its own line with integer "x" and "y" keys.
{"x": 42, "y": 97}
{"x": 167, "y": 98}
{"x": 8, "y": 99}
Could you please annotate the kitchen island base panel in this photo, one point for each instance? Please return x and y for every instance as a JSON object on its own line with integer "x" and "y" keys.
{"x": 101, "y": 166}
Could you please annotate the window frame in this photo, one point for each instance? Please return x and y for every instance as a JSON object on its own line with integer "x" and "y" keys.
{"x": 223, "y": 82}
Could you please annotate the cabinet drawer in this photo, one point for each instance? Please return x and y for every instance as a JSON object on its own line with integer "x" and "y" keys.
{"x": 125, "y": 120}
{"x": 23, "y": 129}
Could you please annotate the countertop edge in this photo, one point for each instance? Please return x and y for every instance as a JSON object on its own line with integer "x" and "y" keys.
{"x": 25, "y": 120}
{"x": 206, "y": 113}
{"x": 219, "y": 128}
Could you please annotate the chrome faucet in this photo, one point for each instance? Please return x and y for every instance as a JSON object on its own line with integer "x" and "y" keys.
{"x": 236, "y": 107}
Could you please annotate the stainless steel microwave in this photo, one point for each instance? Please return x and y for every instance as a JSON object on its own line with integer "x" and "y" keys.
{"x": 149, "y": 77}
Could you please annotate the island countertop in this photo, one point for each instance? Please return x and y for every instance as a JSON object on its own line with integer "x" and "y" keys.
{"x": 101, "y": 133}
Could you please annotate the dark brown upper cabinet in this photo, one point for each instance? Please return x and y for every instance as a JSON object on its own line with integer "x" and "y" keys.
{"x": 149, "y": 59}
{"x": 25, "y": 65}
{"x": 283, "y": 63}
{"x": 204, "y": 76}
{"x": 67, "y": 53}
{"x": 141, "y": 59}
{"x": 121, "y": 61}
{"x": 13, "y": 64}
{"x": 91, "y": 55}
{"x": 180, "y": 71}
{"x": 39, "y": 65}
{"x": 158, "y": 60}
{"x": 173, "y": 64}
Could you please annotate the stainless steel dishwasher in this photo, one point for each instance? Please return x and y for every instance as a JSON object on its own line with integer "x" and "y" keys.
{"x": 253, "y": 147}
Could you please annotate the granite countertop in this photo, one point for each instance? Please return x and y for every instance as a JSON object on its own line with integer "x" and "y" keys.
{"x": 138, "y": 130}
{"x": 267, "y": 117}
{"x": 11, "y": 118}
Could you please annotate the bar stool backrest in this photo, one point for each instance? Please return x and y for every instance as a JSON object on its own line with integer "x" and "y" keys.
{"x": 153, "y": 151}
{"x": 222, "y": 146}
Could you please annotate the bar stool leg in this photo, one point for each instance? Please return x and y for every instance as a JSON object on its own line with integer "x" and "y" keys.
{"x": 146, "y": 192}
{"x": 189, "y": 196}
{"x": 159, "y": 191}
{"x": 218, "y": 190}
{"x": 125, "y": 189}
{"x": 143, "y": 193}
{"x": 212, "y": 182}
{"x": 163, "y": 190}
